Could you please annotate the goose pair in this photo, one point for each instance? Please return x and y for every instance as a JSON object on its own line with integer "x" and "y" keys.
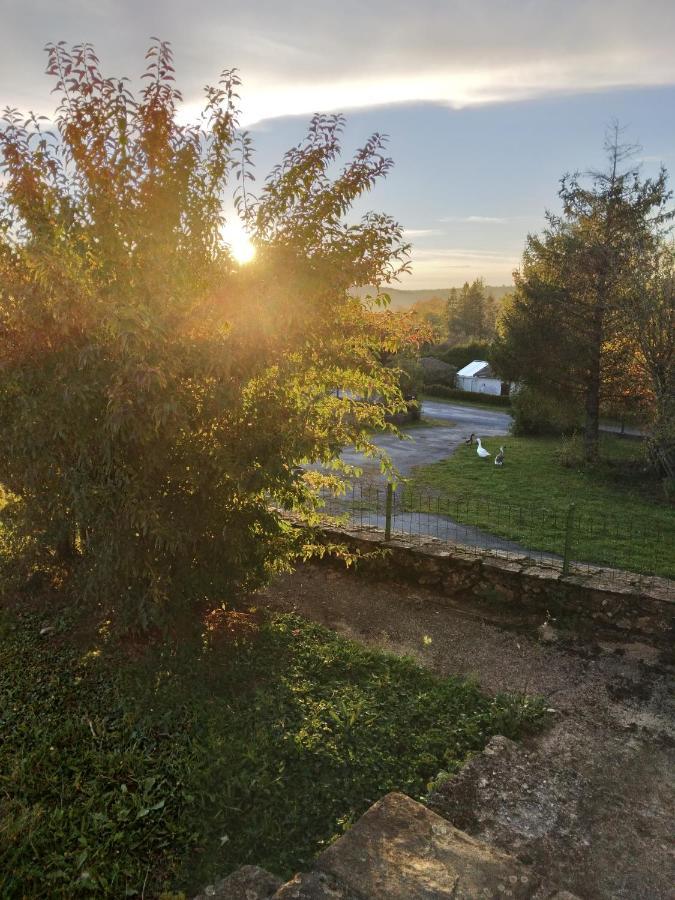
{"x": 483, "y": 453}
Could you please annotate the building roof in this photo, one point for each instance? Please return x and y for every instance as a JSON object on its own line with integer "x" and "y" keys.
{"x": 479, "y": 367}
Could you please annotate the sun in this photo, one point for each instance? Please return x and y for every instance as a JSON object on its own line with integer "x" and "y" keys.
{"x": 235, "y": 236}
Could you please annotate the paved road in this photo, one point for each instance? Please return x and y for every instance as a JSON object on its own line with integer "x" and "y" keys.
{"x": 427, "y": 445}
{"x": 423, "y": 446}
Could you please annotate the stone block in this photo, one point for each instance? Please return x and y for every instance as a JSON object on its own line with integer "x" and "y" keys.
{"x": 401, "y": 850}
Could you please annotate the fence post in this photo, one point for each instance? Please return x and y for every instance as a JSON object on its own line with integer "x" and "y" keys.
{"x": 569, "y": 526}
{"x": 388, "y": 511}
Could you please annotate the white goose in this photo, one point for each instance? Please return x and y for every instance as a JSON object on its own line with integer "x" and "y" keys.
{"x": 481, "y": 451}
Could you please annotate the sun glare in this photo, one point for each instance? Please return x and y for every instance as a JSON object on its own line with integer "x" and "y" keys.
{"x": 238, "y": 241}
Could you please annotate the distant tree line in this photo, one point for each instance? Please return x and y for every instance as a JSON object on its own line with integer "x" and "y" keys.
{"x": 468, "y": 314}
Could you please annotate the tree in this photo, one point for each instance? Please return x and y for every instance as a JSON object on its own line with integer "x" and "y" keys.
{"x": 648, "y": 322}
{"x": 471, "y": 313}
{"x": 466, "y": 311}
{"x": 563, "y": 332}
{"x": 434, "y": 313}
{"x": 156, "y": 398}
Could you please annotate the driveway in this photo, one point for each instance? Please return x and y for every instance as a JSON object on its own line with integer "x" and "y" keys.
{"x": 427, "y": 445}
{"x": 365, "y": 504}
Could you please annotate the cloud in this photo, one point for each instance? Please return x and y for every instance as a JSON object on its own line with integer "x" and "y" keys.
{"x": 421, "y": 232}
{"x": 300, "y": 56}
{"x": 455, "y": 265}
{"x": 489, "y": 220}
{"x": 465, "y": 253}
{"x": 447, "y": 266}
{"x": 477, "y": 220}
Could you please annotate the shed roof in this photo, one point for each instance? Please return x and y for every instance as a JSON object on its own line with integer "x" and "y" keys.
{"x": 477, "y": 367}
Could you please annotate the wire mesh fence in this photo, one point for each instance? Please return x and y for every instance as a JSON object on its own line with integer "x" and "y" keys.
{"x": 570, "y": 538}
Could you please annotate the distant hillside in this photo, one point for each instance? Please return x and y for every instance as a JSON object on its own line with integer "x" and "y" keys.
{"x": 405, "y": 299}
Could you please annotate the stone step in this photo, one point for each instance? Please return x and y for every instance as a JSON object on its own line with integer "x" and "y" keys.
{"x": 400, "y": 850}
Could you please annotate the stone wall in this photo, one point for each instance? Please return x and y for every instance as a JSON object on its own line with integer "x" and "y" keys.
{"x": 587, "y": 600}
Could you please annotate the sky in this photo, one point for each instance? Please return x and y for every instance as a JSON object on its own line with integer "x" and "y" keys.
{"x": 487, "y": 103}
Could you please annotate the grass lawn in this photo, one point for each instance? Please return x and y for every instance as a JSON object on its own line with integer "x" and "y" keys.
{"x": 494, "y": 407}
{"x": 622, "y": 518}
{"x": 126, "y": 776}
{"x": 428, "y": 422}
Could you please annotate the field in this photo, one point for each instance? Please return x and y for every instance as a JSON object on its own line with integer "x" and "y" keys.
{"x": 621, "y": 519}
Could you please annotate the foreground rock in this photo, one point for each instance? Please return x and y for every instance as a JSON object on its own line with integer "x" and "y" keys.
{"x": 565, "y": 818}
{"x": 398, "y": 850}
{"x": 401, "y": 850}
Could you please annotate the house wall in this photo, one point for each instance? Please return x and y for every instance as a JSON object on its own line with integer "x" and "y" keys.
{"x": 480, "y": 385}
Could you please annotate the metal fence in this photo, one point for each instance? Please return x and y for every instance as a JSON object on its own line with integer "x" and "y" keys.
{"x": 570, "y": 538}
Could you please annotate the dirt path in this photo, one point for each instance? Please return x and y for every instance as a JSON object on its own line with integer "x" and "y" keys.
{"x": 590, "y": 802}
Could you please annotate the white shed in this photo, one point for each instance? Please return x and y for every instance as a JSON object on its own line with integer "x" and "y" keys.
{"x": 479, "y": 378}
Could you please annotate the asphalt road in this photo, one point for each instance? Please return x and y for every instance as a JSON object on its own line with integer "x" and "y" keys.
{"x": 422, "y": 446}
{"x": 427, "y": 445}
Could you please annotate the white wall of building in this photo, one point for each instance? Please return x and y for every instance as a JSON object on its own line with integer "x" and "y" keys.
{"x": 480, "y": 385}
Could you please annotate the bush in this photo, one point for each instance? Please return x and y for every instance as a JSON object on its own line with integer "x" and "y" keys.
{"x": 435, "y": 371}
{"x": 442, "y": 390}
{"x": 536, "y": 413}
{"x": 461, "y": 354}
{"x": 155, "y": 395}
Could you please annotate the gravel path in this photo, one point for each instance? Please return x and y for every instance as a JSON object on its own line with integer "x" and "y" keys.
{"x": 598, "y": 783}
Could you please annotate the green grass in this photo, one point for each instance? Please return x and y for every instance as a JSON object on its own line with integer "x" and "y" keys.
{"x": 622, "y": 518}
{"x": 494, "y": 407}
{"x": 428, "y": 422}
{"x": 122, "y": 778}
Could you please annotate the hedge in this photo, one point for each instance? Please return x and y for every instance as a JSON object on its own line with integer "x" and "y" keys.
{"x": 442, "y": 390}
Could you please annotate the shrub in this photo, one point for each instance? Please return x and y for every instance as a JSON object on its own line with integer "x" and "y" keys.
{"x": 435, "y": 371}
{"x": 155, "y": 396}
{"x": 536, "y": 413}
{"x": 442, "y": 390}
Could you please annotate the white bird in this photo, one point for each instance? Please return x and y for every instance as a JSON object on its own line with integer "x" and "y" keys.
{"x": 499, "y": 458}
{"x": 481, "y": 451}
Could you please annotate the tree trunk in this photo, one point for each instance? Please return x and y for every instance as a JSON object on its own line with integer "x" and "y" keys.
{"x": 592, "y": 425}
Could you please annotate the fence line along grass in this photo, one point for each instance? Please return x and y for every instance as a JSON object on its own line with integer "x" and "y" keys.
{"x": 622, "y": 518}
{"x": 124, "y": 777}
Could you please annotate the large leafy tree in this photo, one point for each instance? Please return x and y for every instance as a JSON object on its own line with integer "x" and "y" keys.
{"x": 564, "y": 332}
{"x": 156, "y": 398}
